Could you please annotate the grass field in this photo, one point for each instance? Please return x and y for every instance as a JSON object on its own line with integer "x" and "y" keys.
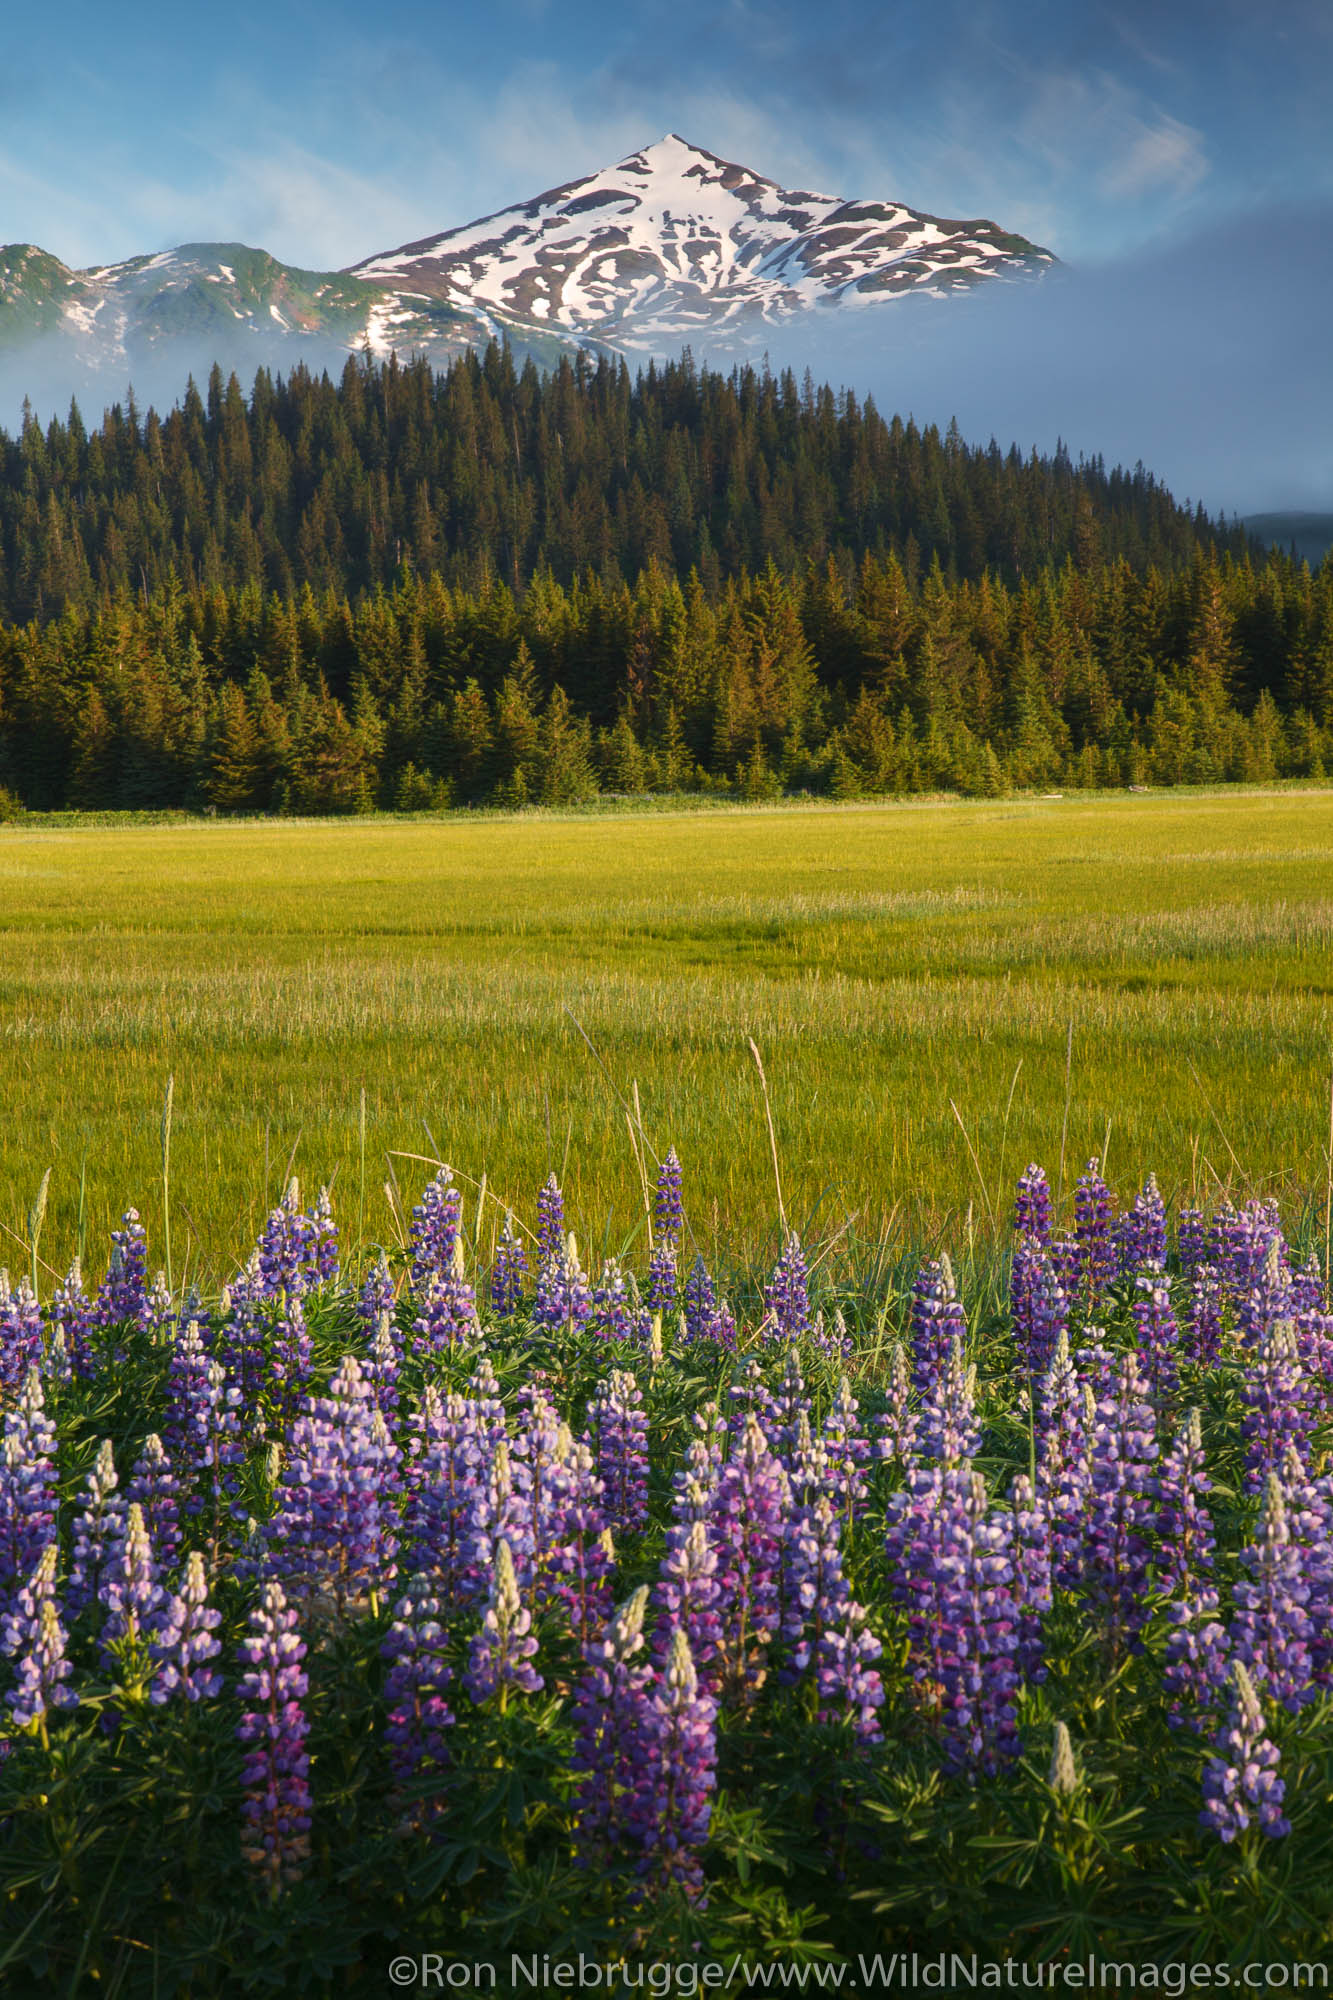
{"x": 892, "y": 962}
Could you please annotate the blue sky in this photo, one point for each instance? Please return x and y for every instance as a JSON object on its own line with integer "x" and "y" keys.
{"x": 326, "y": 132}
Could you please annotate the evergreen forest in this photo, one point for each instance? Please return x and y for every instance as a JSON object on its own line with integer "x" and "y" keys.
{"x": 411, "y": 590}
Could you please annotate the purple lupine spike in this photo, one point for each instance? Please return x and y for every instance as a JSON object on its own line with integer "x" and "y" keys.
{"x": 1031, "y": 1547}
{"x": 580, "y": 1562}
{"x": 1184, "y": 1525}
{"x": 322, "y": 1254}
{"x": 1158, "y": 1334}
{"x": 1307, "y": 1287}
{"x": 32, "y": 1633}
{"x": 897, "y": 1423}
{"x": 672, "y": 1766}
{"x": 1094, "y": 1231}
{"x": 1271, "y": 1630}
{"x": 1039, "y": 1306}
{"x": 27, "y": 1486}
{"x": 500, "y": 1509}
{"x": 603, "y": 1709}
{"x": 71, "y": 1312}
{"x": 510, "y": 1269}
{"x": 685, "y": 1596}
{"x": 618, "y": 1435}
{"x": 435, "y": 1230}
{"x": 748, "y": 1397}
{"x": 663, "y": 1277}
{"x": 276, "y": 1812}
{"x": 1121, "y": 1506}
{"x": 20, "y": 1334}
{"x": 613, "y": 1316}
{"x": 131, "y": 1594}
{"x": 1032, "y": 1208}
{"x": 123, "y": 1297}
{"x": 1241, "y": 1783}
{"x": 184, "y": 1641}
{"x": 283, "y": 1250}
{"x": 1198, "y": 1661}
{"x": 447, "y": 1315}
{"x": 937, "y": 1321}
{"x": 154, "y": 1485}
{"x": 780, "y": 1413}
{"x": 1203, "y": 1337}
{"x": 980, "y": 1724}
{"x": 849, "y": 1452}
{"x": 484, "y": 1390}
{"x": 442, "y": 1479}
{"x": 949, "y": 1429}
{"x": 564, "y": 1301}
{"x": 57, "y": 1367}
{"x": 377, "y": 1294}
{"x": 381, "y": 1368}
{"x": 1193, "y": 1239}
{"x": 543, "y": 1445}
{"x": 242, "y": 1341}
{"x": 787, "y": 1294}
{"x": 289, "y": 1351}
{"x": 333, "y": 1533}
{"x": 748, "y": 1507}
{"x": 1065, "y": 1256}
{"x": 1063, "y": 1429}
{"x": 415, "y": 1693}
{"x": 500, "y": 1655}
{"x": 824, "y": 1629}
{"x": 668, "y": 1214}
{"x": 1278, "y": 1415}
{"x": 1142, "y": 1232}
{"x": 847, "y": 1678}
{"x": 1266, "y": 1299}
{"x": 550, "y": 1221}
{"x": 203, "y": 1422}
{"x": 699, "y": 1299}
{"x": 99, "y": 1521}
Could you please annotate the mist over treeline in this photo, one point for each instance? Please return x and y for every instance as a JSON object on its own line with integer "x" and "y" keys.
{"x": 412, "y": 590}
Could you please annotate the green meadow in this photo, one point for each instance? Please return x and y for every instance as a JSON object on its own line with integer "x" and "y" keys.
{"x": 500, "y": 987}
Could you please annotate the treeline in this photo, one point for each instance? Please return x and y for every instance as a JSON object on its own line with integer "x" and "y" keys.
{"x": 487, "y": 472}
{"x": 848, "y": 677}
{"x": 412, "y": 590}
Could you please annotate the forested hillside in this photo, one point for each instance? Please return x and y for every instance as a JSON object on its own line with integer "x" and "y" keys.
{"x": 413, "y": 589}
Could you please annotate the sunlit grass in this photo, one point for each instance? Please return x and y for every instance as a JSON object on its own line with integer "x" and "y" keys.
{"x": 891, "y": 962}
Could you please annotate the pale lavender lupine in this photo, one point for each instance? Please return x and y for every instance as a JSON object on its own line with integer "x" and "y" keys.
{"x": 275, "y": 1813}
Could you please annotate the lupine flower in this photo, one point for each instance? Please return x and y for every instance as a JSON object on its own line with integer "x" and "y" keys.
{"x": 949, "y": 1430}
{"x": 1184, "y": 1525}
{"x": 415, "y": 1685}
{"x": 377, "y": 1294}
{"x": 1122, "y": 1504}
{"x": 604, "y": 1710}
{"x": 824, "y": 1628}
{"x": 1039, "y": 1306}
{"x": 20, "y": 1334}
{"x": 1064, "y": 1469}
{"x": 1157, "y": 1333}
{"x": 746, "y": 1515}
{"x": 685, "y": 1595}
{"x": 580, "y": 1560}
{"x": 564, "y": 1300}
{"x": 27, "y": 1486}
{"x": 618, "y": 1434}
{"x": 510, "y": 1268}
{"x": 333, "y": 1530}
{"x": 1032, "y": 1209}
{"x": 381, "y": 1369}
{"x": 938, "y": 1321}
{"x": 1242, "y": 1782}
{"x": 897, "y": 1422}
{"x": 1266, "y": 1298}
{"x": 667, "y": 1211}
{"x": 1094, "y": 1212}
{"x": 1307, "y": 1287}
{"x": 663, "y": 1277}
{"x": 1271, "y": 1629}
{"x": 276, "y": 1812}
{"x": 1277, "y": 1416}
{"x": 203, "y": 1420}
{"x": 699, "y": 1299}
{"x": 1203, "y": 1343}
{"x": 33, "y": 1635}
{"x": 155, "y": 1487}
{"x": 434, "y": 1232}
{"x": 442, "y": 1475}
{"x": 672, "y": 1762}
{"x": 123, "y": 1298}
{"x": 613, "y": 1314}
{"x": 1193, "y": 1239}
{"x": 500, "y": 1655}
{"x": 1063, "y": 1777}
{"x": 99, "y": 1521}
{"x": 1032, "y": 1554}
{"x": 550, "y": 1221}
{"x": 848, "y": 1451}
{"x": 284, "y": 1250}
{"x": 72, "y": 1313}
{"x": 446, "y": 1316}
{"x": 981, "y": 1608}
{"x": 1142, "y": 1233}
{"x": 787, "y": 1294}
{"x": 183, "y": 1640}
{"x": 130, "y": 1591}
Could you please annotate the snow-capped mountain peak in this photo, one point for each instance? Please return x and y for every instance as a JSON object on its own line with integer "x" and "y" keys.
{"x": 673, "y": 241}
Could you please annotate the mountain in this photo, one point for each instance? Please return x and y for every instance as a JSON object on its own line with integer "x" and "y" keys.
{"x": 673, "y": 244}
{"x": 1310, "y": 535}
